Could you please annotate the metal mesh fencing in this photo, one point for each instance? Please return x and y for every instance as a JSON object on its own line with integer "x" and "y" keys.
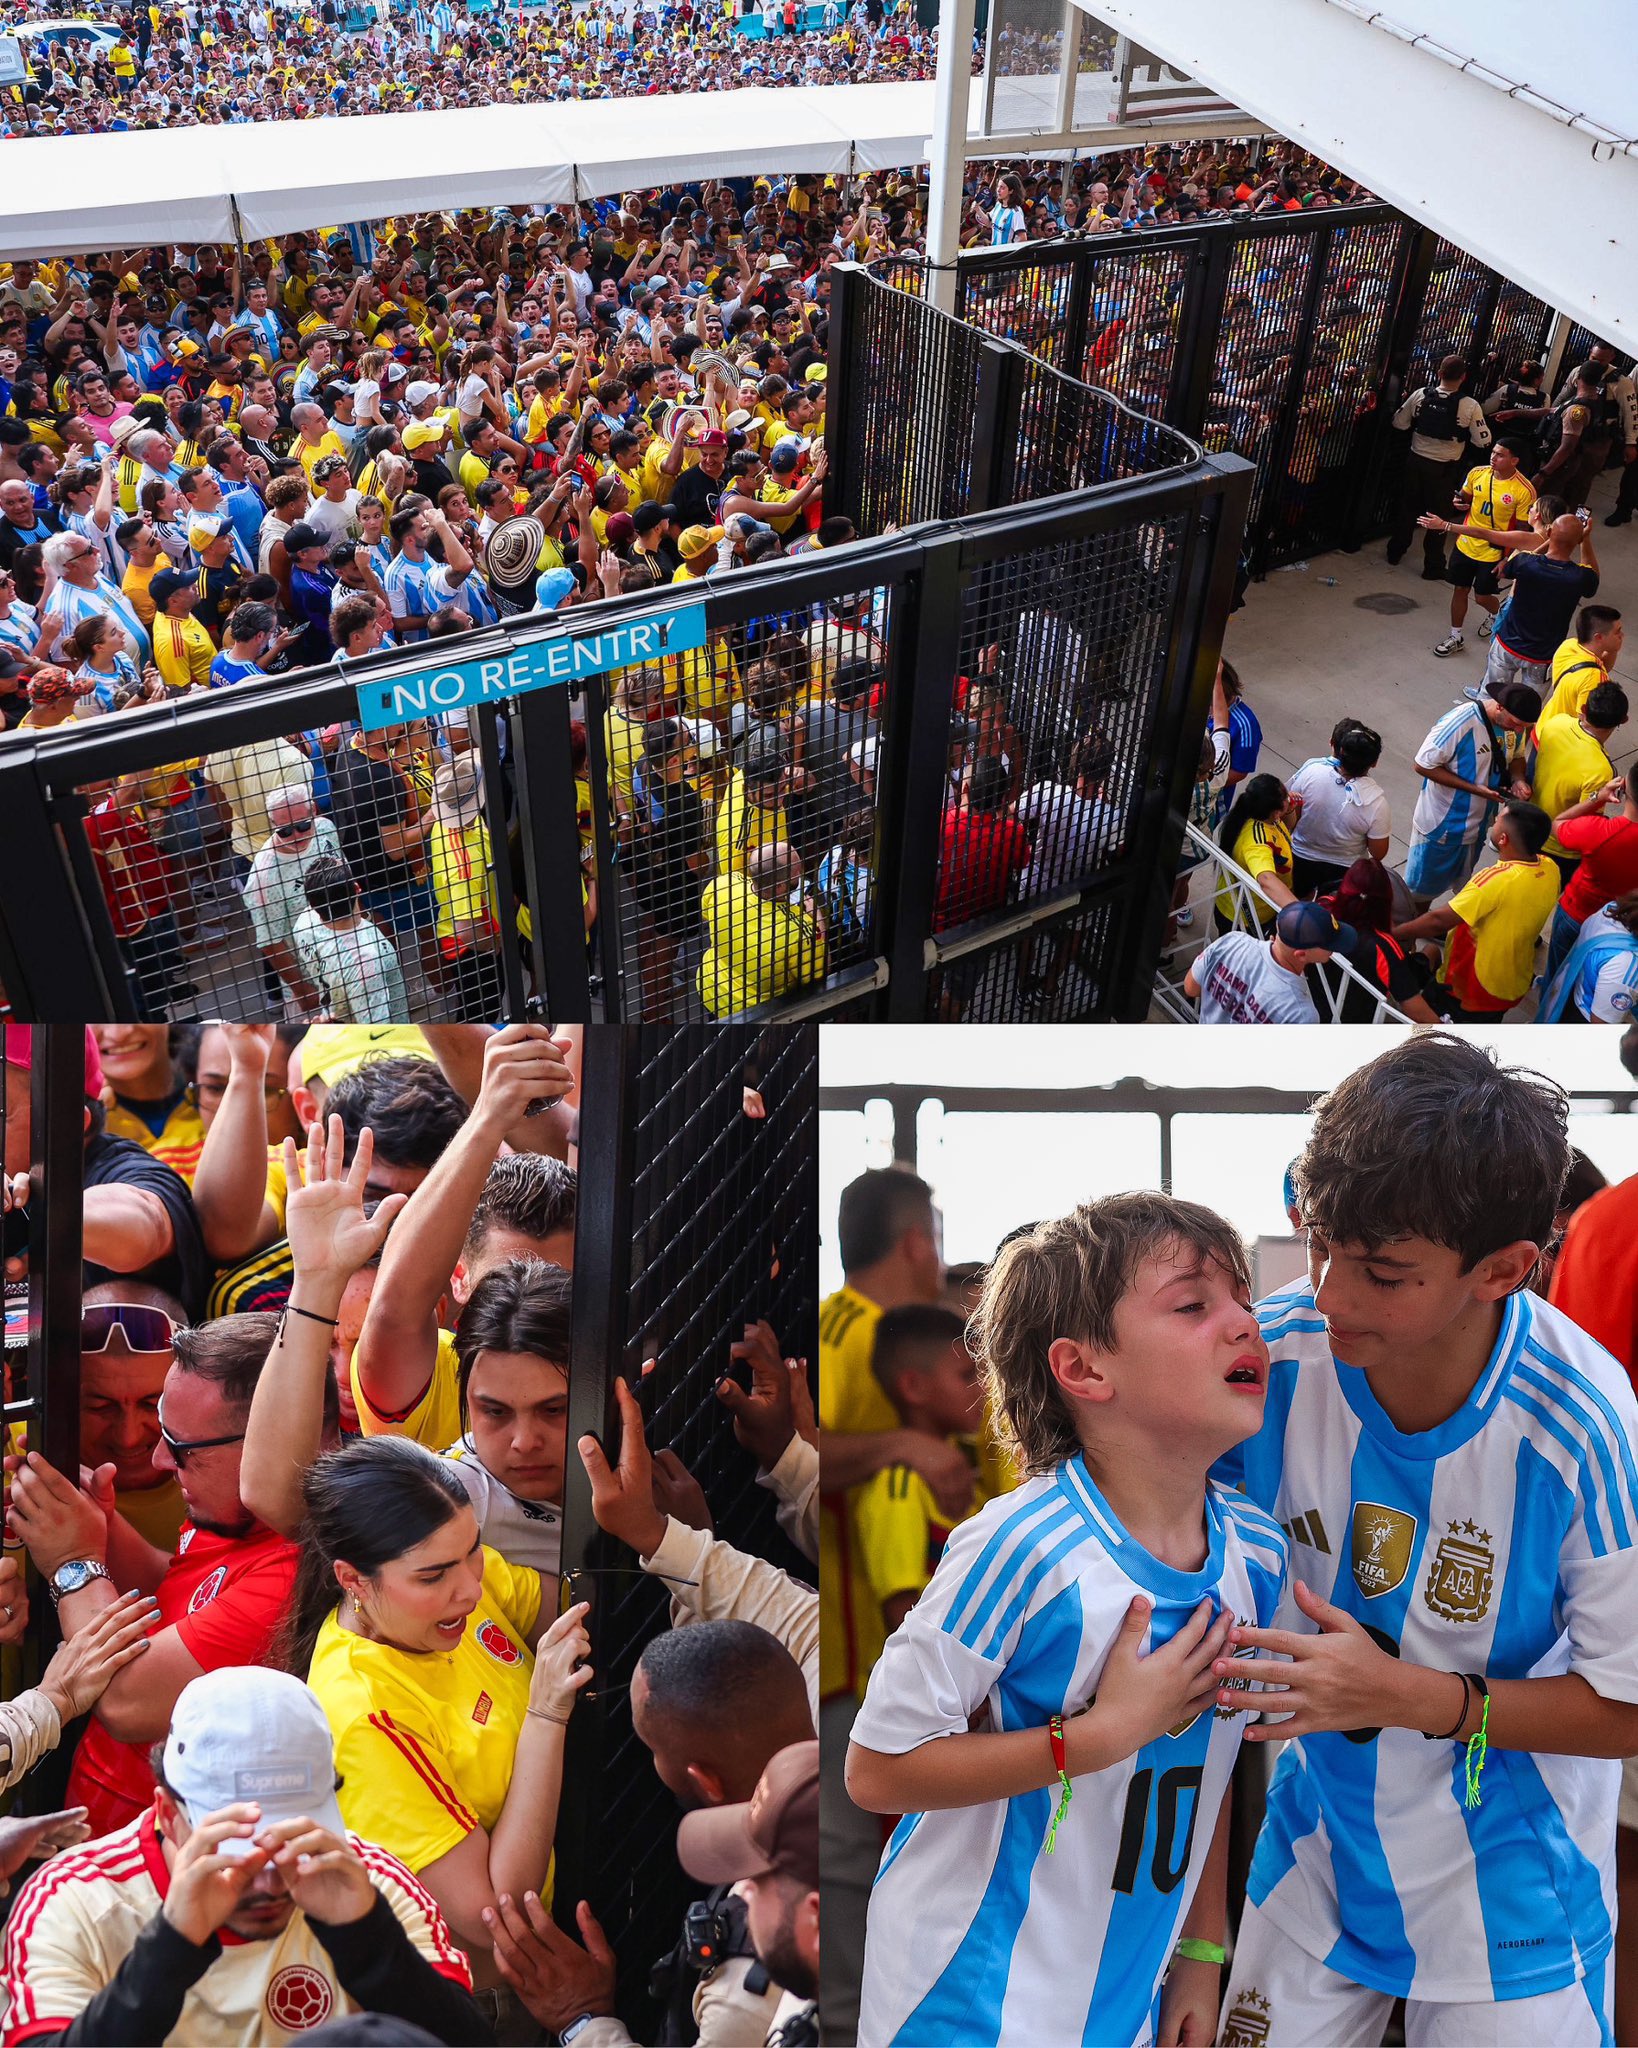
{"x": 263, "y": 857}
{"x": 1257, "y": 365}
{"x": 1578, "y": 346}
{"x": 707, "y": 1218}
{"x": 741, "y": 779}
{"x": 908, "y": 462}
{"x": 1061, "y": 664}
{"x": 1135, "y": 310}
{"x": 1029, "y": 306}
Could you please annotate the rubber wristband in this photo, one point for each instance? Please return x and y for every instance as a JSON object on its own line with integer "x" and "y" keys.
{"x": 1189, "y": 1950}
{"x": 329, "y": 1322}
{"x": 1455, "y": 1728}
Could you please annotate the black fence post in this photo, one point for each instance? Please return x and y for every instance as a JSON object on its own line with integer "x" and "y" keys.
{"x": 848, "y": 284}
{"x": 611, "y": 954}
{"x": 1194, "y": 363}
{"x": 513, "y": 997}
{"x": 915, "y": 753}
{"x": 47, "y": 963}
{"x": 1259, "y": 543}
{"x": 989, "y": 411}
{"x": 56, "y": 1223}
{"x": 551, "y": 849}
{"x": 1078, "y": 312}
{"x": 1015, "y": 368}
{"x": 1200, "y": 610}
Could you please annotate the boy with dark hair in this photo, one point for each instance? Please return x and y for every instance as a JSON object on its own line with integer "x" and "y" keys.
{"x": 1456, "y": 1463}
{"x": 922, "y": 1364}
{"x": 343, "y": 952}
{"x": 1068, "y": 1634}
{"x": 1492, "y": 924}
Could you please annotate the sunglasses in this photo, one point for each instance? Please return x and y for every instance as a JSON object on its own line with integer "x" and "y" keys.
{"x": 146, "y": 1329}
{"x": 296, "y": 829}
{"x": 181, "y": 1450}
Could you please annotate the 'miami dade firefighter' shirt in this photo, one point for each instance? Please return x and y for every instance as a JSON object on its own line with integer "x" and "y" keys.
{"x": 1504, "y": 1542}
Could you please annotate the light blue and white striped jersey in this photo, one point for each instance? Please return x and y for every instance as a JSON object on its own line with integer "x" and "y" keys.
{"x": 1463, "y": 742}
{"x": 415, "y": 590}
{"x": 1503, "y": 1542}
{"x": 976, "y": 1935}
{"x": 1599, "y": 974}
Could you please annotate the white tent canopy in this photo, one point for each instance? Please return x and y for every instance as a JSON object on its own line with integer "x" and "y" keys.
{"x": 1516, "y": 143}
{"x": 65, "y": 194}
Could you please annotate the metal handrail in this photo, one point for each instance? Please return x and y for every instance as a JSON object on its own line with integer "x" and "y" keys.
{"x": 1245, "y": 895}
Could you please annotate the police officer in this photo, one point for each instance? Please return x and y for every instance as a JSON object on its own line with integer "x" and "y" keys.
{"x": 1578, "y": 438}
{"x": 1443, "y": 425}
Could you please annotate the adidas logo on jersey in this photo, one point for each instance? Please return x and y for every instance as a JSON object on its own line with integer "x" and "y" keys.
{"x": 1248, "y": 2021}
{"x": 1308, "y": 1529}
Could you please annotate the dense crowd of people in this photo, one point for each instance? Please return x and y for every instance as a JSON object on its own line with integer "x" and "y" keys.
{"x": 1093, "y": 1513}
{"x": 309, "y": 1580}
{"x": 239, "y": 62}
{"x": 1520, "y": 768}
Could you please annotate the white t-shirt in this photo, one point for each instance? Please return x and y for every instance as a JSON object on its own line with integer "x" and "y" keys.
{"x": 357, "y": 969}
{"x": 1242, "y": 983}
{"x": 1339, "y": 813}
{"x": 523, "y": 1531}
{"x": 1069, "y": 835}
{"x": 336, "y": 519}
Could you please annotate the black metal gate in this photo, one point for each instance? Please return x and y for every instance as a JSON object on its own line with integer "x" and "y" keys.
{"x": 1289, "y": 339}
{"x": 694, "y": 1218}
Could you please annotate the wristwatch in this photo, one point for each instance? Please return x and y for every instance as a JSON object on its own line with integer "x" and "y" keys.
{"x": 74, "y": 1577}
{"x": 578, "y": 2025}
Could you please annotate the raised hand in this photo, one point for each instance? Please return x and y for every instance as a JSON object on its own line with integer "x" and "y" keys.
{"x": 330, "y": 1236}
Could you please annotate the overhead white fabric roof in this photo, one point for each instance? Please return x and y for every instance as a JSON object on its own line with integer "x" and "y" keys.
{"x": 69, "y": 193}
{"x": 1514, "y": 141}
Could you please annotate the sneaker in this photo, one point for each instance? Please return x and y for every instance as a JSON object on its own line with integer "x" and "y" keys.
{"x": 1452, "y": 643}
{"x": 1183, "y": 919}
{"x": 1433, "y": 572}
{"x": 1487, "y": 626}
{"x": 1617, "y": 519}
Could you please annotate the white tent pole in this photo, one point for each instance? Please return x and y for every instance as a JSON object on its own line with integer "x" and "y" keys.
{"x": 952, "y": 90}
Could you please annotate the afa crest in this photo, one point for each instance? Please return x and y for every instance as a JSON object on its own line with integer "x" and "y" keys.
{"x": 1247, "y": 2022}
{"x": 1384, "y": 1540}
{"x": 1462, "y": 1574}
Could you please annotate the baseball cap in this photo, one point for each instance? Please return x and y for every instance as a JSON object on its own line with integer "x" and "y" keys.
{"x": 245, "y": 1733}
{"x": 785, "y": 456}
{"x": 204, "y": 528}
{"x": 695, "y": 541}
{"x": 329, "y": 1052}
{"x": 775, "y": 1833}
{"x": 167, "y": 583}
{"x": 419, "y": 392}
{"x": 1309, "y": 926}
{"x": 552, "y": 586}
{"x": 816, "y": 373}
{"x": 714, "y": 439}
{"x": 1518, "y": 700}
{"x": 419, "y": 432}
{"x": 300, "y": 538}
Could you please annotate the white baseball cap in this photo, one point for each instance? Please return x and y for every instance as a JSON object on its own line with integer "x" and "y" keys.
{"x": 243, "y": 1733}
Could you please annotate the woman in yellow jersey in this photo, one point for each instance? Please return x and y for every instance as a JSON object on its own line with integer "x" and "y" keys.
{"x": 447, "y": 1692}
{"x": 152, "y": 1103}
{"x": 1256, "y": 836}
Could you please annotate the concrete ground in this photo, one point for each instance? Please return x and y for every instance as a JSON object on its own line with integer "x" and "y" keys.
{"x": 1308, "y": 652}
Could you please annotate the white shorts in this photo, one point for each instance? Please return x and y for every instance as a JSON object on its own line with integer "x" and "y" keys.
{"x": 1280, "y": 1997}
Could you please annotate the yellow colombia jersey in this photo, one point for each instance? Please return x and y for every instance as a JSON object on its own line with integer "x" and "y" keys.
{"x": 435, "y": 1420}
{"x": 425, "y": 1744}
{"x": 900, "y": 1529}
{"x": 179, "y": 1141}
{"x": 1501, "y": 503}
{"x": 154, "y": 1512}
{"x": 851, "y": 1403}
{"x": 1576, "y": 672}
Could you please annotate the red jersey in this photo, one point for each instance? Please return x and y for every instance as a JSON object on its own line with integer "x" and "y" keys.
{"x": 135, "y": 876}
{"x": 225, "y": 1596}
{"x": 1595, "y": 1281}
{"x": 1609, "y": 863}
{"x": 980, "y": 854}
